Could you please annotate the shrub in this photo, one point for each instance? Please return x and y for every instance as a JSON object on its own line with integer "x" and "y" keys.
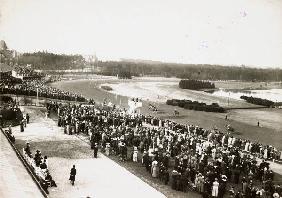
{"x": 9, "y": 114}
{"x": 5, "y": 99}
{"x": 107, "y": 88}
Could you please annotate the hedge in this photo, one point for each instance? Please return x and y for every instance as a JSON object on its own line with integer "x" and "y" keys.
{"x": 258, "y": 101}
{"x": 195, "y": 105}
{"x": 195, "y": 84}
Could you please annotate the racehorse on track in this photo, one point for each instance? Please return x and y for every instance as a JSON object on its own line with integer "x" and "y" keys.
{"x": 176, "y": 113}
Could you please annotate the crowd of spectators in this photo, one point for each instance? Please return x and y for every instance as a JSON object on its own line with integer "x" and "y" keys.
{"x": 27, "y": 72}
{"x": 186, "y": 157}
{"x": 32, "y": 87}
{"x": 183, "y": 156}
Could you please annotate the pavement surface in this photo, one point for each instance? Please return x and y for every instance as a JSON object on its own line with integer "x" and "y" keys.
{"x": 99, "y": 177}
{"x": 15, "y": 181}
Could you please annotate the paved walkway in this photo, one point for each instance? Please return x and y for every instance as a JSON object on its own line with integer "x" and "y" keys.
{"x": 15, "y": 181}
{"x": 99, "y": 178}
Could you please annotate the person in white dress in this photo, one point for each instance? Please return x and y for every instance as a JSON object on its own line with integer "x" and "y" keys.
{"x": 213, "y": 153}
{"x": 154, "y": 169}
{"x": 107, "y": 149}
{"x": 135, "y": 154}
{"x": 215, "y": 185}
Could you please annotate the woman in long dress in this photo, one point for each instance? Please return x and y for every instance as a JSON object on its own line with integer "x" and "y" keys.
{"x": 215, "y": 185}
{"x": 135, "y": 154}
{"x": 154, "y": 168}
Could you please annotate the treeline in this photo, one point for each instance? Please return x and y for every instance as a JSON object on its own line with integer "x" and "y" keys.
{"x": 195, "y": 105}
{"x": 192, "y": 71}
{"x": 258, "y": 101}
{"x": 124, "y": 74}
{"x": 50, "y": 61}
{"x": 195, "y": 84}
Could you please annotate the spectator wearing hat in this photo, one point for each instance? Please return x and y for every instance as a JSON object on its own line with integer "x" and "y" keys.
{"x": 37, "y": 157}
{"x": 21, "y": 126}
{"x": 27, "y": 118}
{"x": 95, "y": 150}
{"x": 43, "y": 165}
{"x": 146, "y": 160}
{"x": 222, "y": 186}
{"x": 108, "y": 148}
{"x": 45, "y": 160}
{"x": 27, "y": 149}
{"x": 49, "y": 178}
{"x": 155, "y": 168}
{"x": 72, "y": 175}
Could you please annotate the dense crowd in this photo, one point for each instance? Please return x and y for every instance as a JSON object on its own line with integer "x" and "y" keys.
{"x": 30, "y": 88}
{"x": 183, "y": 156}
{"x": 27, "y": 72}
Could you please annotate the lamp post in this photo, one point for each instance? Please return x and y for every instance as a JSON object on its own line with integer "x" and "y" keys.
{"x": 1, "y": 123}
{"x": 228, "y": 98}
{"x": 37, "y": 102}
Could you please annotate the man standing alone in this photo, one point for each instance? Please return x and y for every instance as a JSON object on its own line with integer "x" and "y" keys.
{"x": 72, "y": 175}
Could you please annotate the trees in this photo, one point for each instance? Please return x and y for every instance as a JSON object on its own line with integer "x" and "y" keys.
{"x": 195, "y": 84}
{"x": 49, "y": 61}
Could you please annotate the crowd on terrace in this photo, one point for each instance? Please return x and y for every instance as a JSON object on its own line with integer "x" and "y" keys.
{"x": 27, "y": 72}
{"x": 183, "y": 156}
{"x": 30, "y": 88}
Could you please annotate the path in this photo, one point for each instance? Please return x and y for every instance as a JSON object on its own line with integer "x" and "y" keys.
{"x": 15, "y": 181}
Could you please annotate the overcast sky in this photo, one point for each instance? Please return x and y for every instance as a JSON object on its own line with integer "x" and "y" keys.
{"x": 228, "y": 32}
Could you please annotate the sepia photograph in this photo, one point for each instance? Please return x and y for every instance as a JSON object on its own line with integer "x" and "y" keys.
{"x": 141, "y": 98}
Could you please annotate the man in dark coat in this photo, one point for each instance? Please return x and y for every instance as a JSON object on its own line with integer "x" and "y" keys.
{"x": 27, "y": 149}
{"x": 72, "y": 175}
{"x": 95, "y": 150}
{"x": 27, "y": 118}
{"x": 22, "y": 126}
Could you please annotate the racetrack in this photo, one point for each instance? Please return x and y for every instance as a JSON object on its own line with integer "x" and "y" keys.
{"x": 243, "y": 120}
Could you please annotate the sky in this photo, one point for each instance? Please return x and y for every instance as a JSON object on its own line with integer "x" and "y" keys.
{"x": 226, "y": 32}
